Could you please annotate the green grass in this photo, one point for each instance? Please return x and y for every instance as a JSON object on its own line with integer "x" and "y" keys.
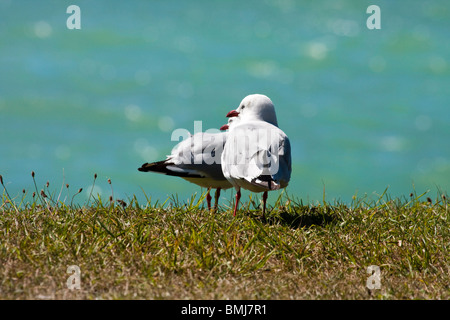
{"x": 180, "y": 250}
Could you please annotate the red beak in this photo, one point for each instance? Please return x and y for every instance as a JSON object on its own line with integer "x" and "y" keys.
{"x": 232, "y": 113}
{"x": 224, "y": 127}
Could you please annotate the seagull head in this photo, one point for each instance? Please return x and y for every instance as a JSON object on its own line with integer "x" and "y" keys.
{"x": 231, "y": 121}
{"x": 256, "y": 107}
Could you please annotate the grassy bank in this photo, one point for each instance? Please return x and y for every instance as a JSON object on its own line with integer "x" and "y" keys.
{"x": 181, "y": 251}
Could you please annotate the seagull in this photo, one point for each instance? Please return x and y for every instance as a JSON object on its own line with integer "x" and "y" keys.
{"x": 257, "y": 155}
{"x": 197, "y": 160}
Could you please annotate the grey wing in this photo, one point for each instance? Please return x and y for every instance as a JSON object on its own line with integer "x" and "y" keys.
{"x": 200, "y": 154}
{"x": 285, "y": 167}
{"x": 262, "y": 156}
{"x": 273, "y": 163}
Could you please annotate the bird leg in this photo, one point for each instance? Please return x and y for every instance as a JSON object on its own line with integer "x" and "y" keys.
{"x": 238, "y": 197}
{"x": 216, "y": 199}
{"x": 208, "y": 199}
{"x": 264, "y": 199}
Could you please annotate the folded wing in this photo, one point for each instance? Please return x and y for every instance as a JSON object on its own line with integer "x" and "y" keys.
{"x": 259, "y": 154}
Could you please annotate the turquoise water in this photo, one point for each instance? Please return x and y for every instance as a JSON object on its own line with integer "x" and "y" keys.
{"x": 364, "y": 109}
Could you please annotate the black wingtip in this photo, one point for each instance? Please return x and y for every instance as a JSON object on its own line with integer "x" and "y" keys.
{"x": 161, "y": 167}
{"x": 265, "y": 181}
{"x": 142, "y": 168}
{"x": 158, "y": 167}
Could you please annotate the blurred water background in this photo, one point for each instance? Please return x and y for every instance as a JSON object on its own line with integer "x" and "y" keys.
{"x": 365, "y": 110}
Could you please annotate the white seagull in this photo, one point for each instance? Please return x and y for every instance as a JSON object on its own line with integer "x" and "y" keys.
{"x": 197, "y": 160}
{"x": 257, "y": 155}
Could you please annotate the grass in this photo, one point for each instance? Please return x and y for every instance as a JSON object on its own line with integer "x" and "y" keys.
{"x": 179, "y": 250}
